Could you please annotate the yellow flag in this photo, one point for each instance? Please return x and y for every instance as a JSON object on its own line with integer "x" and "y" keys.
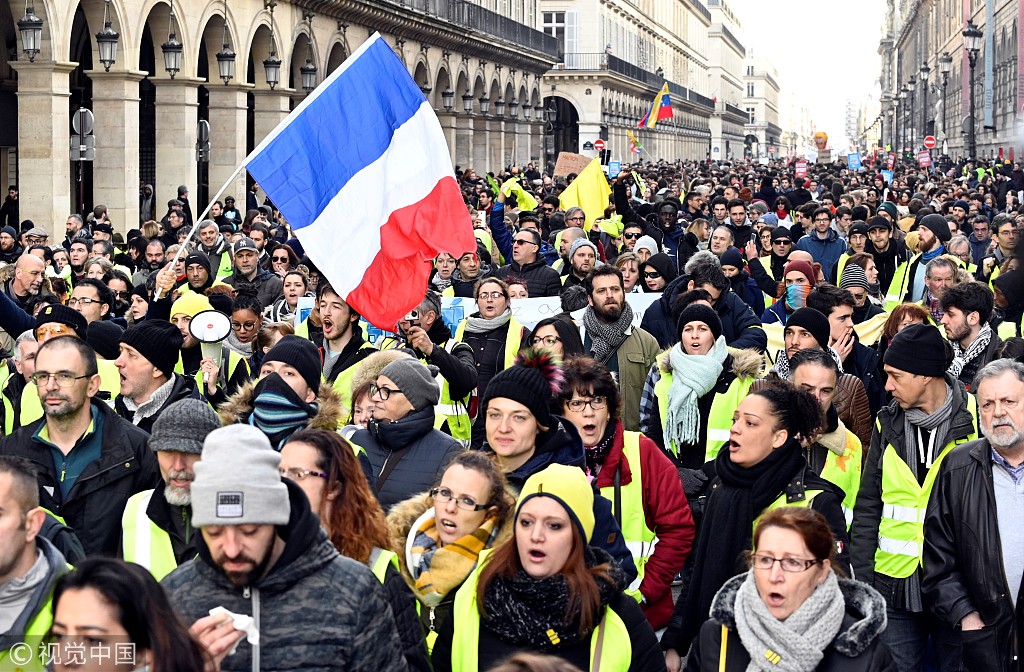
{"x": 589, "y": 191}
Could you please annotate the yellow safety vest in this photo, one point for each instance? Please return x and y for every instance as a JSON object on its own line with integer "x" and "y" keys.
{"x": 13, "y": 659}
{"x": 1010, "y": 329}
{"x": 841, "y": 266}
{"x": 719, "y": 418}
{"x": 379, "y": 561}
{"x": 229, "y": 365}
{"x": 904, "y": 501}
{"x": 639, "y": 538}
{"x": 899, "y": 286}
{"x": 453, "y": 411}
{"x": 226, "y": 266}
{"x": 845, "y": 471}
{"x": 110, "y": 382}
{"x": 343, "y": 383}
{"x": 143, "y": 542}
{"x": 616, "y": 649}
{"x": 513, "y": 340}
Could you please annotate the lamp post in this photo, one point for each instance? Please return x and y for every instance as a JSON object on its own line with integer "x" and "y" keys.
{"x": 226, "y": 56}
{"x": 172, "y": 48}
{"x": 925, "y": 71}
{"x": 106, "y": 40}
{"x": 911, "y": 132}
{"x": 467, "y": 103}
{"x": 272, "y": 64}
{"x": 307, "y": 73}
{"x": 945, "y": 66}
{"x": 448, "y": 99}
{"x": 30, "y": 27}
{"x": 903, "y": 104}
{"x": 972, "y": 45}
{"x": 485, "y": 105}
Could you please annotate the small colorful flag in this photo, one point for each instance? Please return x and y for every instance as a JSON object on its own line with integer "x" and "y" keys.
{"x": 634, "y": 144}
{"x": 661, "y": 109}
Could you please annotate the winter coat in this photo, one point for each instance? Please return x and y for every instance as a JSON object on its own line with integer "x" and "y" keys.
{"x": 887, "y": 262}
{"x": 666, "y": 513}
{"x": 94, "y": 505}
{"x": 268, "y": 285}
{"x": 633, "y": 358}
{"x": 979, "y": 248}
{"x": 825, "y": 252}
{"x": 351, "y": 355}
{"x": 963, "y": 560}
{"x": 464, "y": 288}
{"x": 541, "y": 279}
{"x": 315, "y": 609}
{"x": 422, "y": 455}
{"x": 330, "y": 411}
{"x": 184, "y": 388}
{"x": 972, "y": 367}
{"x": 862, "y": 363}
{"x": 776, "y": 313}
{"x": 857, "y": 648}
{"x": 746, "y": 288}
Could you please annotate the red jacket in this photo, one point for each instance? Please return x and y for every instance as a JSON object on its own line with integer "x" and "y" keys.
{"x": 667, "y": 513}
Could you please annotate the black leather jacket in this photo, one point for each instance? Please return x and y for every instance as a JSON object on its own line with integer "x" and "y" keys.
{"x": 963, "y": 564}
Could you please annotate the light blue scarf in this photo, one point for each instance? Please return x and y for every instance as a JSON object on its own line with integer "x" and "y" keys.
{"x": 693, "y": 376}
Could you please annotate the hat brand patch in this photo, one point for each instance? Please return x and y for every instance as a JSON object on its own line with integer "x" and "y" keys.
{"x": 229, "y": 505}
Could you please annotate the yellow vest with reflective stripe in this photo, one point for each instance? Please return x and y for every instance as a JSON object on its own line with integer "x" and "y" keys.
{"x": 845, "y": 471}
{"x": 225, "y": 268}
{"x": 1010, "y": 329}
{"x": 899, "y": 285}
{"x": 719, "y": 418}
{"x": 639, "y": 538}
{"x": 343, "y": 383}
{"x": 229, "y": 365}
{"x": 904, "y": 501}
{"x": 110, "y": 382}
{"x": 142, "y": 540}
{"x": 840, "y": 267}
{"x": 616, "y": 651}
{"x": 513, "y": 340}
{"x": 379, "y": 561}
{"x": 12, "y": 660}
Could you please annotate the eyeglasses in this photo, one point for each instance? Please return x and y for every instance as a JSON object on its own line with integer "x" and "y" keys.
{"x": 782, "y": 242}
{"x": 83, "y": 300}
{"x": 122, "y": 294}
{"x": 631, "y": 235}
{"x": 546, "y": 340}
{"x": 444, "y": 495}
{"x": 548, "y": 210}
{"x": 523, "y": 241}
{"x": 575, "y": 219}
{"x": 577, "y": 405}
{"x": 491, "y": 295}
{"x": 383, "y": 392}
{"x": 63, "y": 378}
{"x": 301, "y": 474}
{"x": 794, "y": 565}
{"x": 243, "y": 326}
{"x": 283, "y": 260}
{"x": 652, "y": 274}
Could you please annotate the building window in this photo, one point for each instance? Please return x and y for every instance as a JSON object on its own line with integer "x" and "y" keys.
{"x": 563, "y": 26}
{"x": 750, "y": 90}
{"x": 750, "y": 71}
{"x": 752, "y": 115}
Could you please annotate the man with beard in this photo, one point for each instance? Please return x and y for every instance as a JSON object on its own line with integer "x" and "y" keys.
{"x": 582, "y": 260}
{"x": 908, "y": 283}
{"x": 9, "y": 210}
{"x": 78, "y": 253}
{"x": 75, "y": 231}
{"x": 216, "y": 247}
{"x": 972, "y": 533}
{"x": 157, "y": 524}
{"x": 341, "y": 345}
{"x": 966, "y": 309}
{"x": 198, "y": 272}
{"x": 612, "y": 340}
{"x": 247, "y": 271}
{"x": 80, "y": 438}
{"x": 471, "y": 267}
{"x": 9, "y": 248}
{"x": 148, "y": 353}
{"x": 258, "y": 535}
{"x": 28, "y": 278}
{"x": 152, "y": 261}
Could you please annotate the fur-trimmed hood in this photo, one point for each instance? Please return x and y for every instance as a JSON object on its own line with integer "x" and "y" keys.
{"x": 745, "y": 363}
{"x": 404, "y": 514}
{"x": 368, "y": 369}
{"x": 331, "y": 412}
{"x": 864, "y": 622}
{"x": 7, "y": 274}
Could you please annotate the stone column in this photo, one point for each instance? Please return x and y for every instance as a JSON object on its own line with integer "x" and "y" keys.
{"x": 228, "y": 120}
{"x": 177, "y": 113}
{"x": 447, "y": 120}
{"x": 115, "y": 98}
{"x": 481, "y": 144}
{"x": 464, "y": 139}
{"x": 44, "y": 126}
{"x": 271, "y": 109}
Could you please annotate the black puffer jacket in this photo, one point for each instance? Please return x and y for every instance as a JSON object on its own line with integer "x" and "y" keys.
{"x": 857, "y": 647}
{"x": 421, "y": 450}
{"x": 963, "y": 565}
{"x": 541, "y": 279}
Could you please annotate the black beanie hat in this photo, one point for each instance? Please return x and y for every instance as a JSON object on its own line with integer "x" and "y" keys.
{"x": 141, "y": 292}
{"x": 61, "y": 314}
{"x": 920, "y": 349}
{"x": 534, "y": 379}
{"x": 936, "y": 224}
{"x": 813, "y": 321}
{"x": 200, "y": 258}
{"x": 220, "y": 302}
{"x": 698, "y": 312}
{"x": 103, "y": 337}
{"x": 158, "y": 341}
{"x": 301, "y": 354}
{"x": 780, "y": 232}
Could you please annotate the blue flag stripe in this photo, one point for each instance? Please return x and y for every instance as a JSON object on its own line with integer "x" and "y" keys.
{"x": 348, "y": 127}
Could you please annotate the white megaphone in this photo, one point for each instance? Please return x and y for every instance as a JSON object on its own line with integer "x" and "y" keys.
{"x": 210, "y": 328}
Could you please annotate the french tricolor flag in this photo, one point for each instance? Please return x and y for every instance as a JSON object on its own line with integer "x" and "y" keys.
{"x": 362, "y": 172}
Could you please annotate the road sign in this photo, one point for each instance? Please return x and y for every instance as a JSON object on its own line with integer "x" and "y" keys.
{"x": 929, "y": 142}
{"x": 599, "y": 145}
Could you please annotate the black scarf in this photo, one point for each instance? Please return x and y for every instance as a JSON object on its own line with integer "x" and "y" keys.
{"x": 740, "y": 495}
{"x": 596, "y": 454}
{"x": 532, "y": 614}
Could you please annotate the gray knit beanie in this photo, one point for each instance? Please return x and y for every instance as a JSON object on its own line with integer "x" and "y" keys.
{"x": 237, "y": 480}
{"x": 415, "y": 380}
{"x": 582, "y": 242}
{"x": 183, "y": 426}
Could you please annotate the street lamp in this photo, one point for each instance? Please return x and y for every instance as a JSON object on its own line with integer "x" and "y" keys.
{"x": 467, "y": 102}
{"x": 513, "y": 109}
{"x": 272, "y": 64}
{"x": 307, "y": 72}
{"x": 448, "y": 99}
{"x": 226, "y": 56}
{"x": 106, "y": 40}
{"x": 527, "y": 111}
{"x": 925, "y": 71}
{"x": 172, "y": 48}
{"x": 31, "y": 28}
{"x": 903, "y": 103}
{"x": 972, "y": 45}
{"x": 945, "y": 67}
{"x": 485, "y": 104}
{"x": 911, "y": 131}
{"x": 499, "y": 106}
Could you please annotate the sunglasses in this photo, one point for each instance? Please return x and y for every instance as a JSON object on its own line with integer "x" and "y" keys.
{"x": 281, "y": 259}
{"x": 783, "y": 242}
{"x": 651, "y": 275}
{"x": 631, "y": 236}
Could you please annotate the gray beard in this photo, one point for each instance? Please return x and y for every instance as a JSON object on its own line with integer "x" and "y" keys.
{"x": 177, "y": 496}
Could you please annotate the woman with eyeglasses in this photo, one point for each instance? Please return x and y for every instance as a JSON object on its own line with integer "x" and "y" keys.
{"x": 636, "y": 476}
{"x": 557, "y": 335}
{"x": 492, "y": 332}
{"x": 793, "y": 605}
{"x": 246, "y": 322}
{"x": 762, "y": 468}
{"x": 282, "y": 260}
{"x": 326, "y": 468}
{"x": 440, "y": 534}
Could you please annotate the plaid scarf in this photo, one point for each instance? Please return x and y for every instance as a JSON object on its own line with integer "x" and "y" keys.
{"x": 439, "y": 569}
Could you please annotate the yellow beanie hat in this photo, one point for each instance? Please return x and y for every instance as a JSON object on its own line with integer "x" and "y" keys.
{"x": 191, "y": 304}
{"x": 569, "y": 487}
